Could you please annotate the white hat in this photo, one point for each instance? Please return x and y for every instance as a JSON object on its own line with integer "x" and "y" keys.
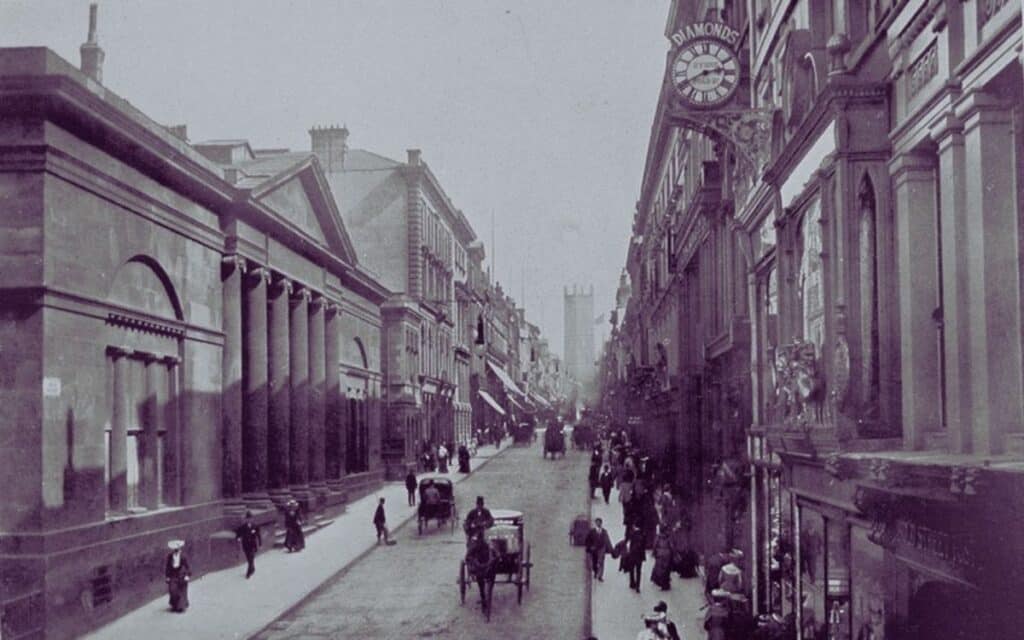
{"x": 732, "y": 569}
{"x": 719, "y": 593}
{"x": 175, "y": 544}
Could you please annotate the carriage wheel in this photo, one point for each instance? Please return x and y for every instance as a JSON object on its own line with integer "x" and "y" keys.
{"x": 455, "y": 517}
{"x": 528, "y": 565}
{"x": 462, "y": 582}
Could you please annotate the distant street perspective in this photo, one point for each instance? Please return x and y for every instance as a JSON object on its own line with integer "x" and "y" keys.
{"x": 410, "y": 590}
{"x": 531, "y": 319}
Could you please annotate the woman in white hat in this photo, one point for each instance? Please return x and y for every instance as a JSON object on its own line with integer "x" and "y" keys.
{"x": 177, "y": 574}
{"x": 654, "y": 627}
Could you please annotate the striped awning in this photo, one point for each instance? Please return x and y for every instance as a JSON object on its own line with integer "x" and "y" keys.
{"x": 491, "y": 401}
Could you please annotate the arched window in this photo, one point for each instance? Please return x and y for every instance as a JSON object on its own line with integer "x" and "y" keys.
{"x": 867, "y": 251}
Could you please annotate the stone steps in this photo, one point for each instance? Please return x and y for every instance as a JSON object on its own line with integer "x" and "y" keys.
{"x": 311, "y": 526}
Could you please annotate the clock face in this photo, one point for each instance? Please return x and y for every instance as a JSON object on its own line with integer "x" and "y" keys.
{"x": 705, "y": 72}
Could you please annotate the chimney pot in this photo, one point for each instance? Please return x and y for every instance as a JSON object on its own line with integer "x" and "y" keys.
{"x": 330, "y": 143}
{"x": 414, "y": 157}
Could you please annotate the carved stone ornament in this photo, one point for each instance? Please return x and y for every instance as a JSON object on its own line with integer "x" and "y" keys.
{"x": 841, "y": 364}
{"x": 747, "y": 130}
{"x": 799, "y": 389}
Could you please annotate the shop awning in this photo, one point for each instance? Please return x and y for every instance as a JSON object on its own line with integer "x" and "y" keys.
{"x": 518, "y": 404}
{"x": 505, "y": 379}
{"x": 539, "y": 400}
{"x": 491, "y": 401}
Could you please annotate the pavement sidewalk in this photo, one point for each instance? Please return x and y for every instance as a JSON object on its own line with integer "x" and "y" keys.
{"x": 226, "y": 605}
{"x": 616, "y": 609}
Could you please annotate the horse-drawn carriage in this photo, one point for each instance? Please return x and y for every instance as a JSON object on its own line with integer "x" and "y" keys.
{"x": 498, "y": 554}
{"x": 437, "y": 502}
{"x": 554, "y": 441}
{"x": 523, "y": 433}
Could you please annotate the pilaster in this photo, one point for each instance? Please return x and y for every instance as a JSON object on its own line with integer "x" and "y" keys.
{"x": 118, "y": 482}
{"x": 993, "y": 270}
{"x": 913, "y": 177}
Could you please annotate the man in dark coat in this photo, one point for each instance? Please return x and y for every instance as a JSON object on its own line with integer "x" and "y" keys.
{"x": 634, "y": 556}
{"x": 478, "y": 519}
{"x": 606, "y": 480}
{"x": 594, "y": 477}
{"x": 249, "y": 536}
{"x": 177, "y": 574}
{"x": 598, "y": 544}
{"x": 410, "y": 487}
{"x": 380, "y": 522}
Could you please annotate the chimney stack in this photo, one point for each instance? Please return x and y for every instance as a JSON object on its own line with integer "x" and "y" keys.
{"x": 330, "y": 144}
{"x": 92, "y": 53}
{"x": 414, "y": 157}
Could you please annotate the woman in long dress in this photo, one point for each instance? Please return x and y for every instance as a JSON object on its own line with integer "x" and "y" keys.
{"x": 294, "y": 539}
{"x": 661, "y": 574}
{"x": 177, "y": 574}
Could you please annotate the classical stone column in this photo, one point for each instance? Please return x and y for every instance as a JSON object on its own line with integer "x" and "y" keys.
{"x": 171, "y": 489}
{"x": 317, "y": 407}
{"x": 118, "y": 488}
{"x": 993, "y": 267}
{"x": 232, "y": 268}
{"x": 149, "y": 489}
{"x": 335, "y": 462}
{"x": 255, "y": 393}
{"x": 279, "y": 413}
{"x": 948, "y": 133}
{"x": 299, "y": 434}
{"x": 917, "y": 242}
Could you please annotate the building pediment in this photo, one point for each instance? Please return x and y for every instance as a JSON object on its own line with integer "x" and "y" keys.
{"x": 300, "y": 197}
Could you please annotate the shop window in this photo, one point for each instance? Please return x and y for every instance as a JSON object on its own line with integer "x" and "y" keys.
{"x": 809, "y": 277}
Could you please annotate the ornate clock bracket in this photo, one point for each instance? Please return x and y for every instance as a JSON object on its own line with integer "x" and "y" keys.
{"x": 749, "y": 130}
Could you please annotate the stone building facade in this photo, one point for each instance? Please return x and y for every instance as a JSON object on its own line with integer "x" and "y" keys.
{"x": 870, "y": 230}
{"x": 181, "y": 332}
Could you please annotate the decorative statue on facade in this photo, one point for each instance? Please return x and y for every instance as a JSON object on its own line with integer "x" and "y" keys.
{"x": 800, "y": 385}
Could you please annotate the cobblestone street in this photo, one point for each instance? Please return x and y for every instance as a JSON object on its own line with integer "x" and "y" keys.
{"x": 410, "y": 590}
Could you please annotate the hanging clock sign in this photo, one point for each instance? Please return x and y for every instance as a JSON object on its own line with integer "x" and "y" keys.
{"x": 705, "y": 70}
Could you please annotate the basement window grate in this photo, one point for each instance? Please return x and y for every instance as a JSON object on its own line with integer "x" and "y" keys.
{"x": 101, "y": 586}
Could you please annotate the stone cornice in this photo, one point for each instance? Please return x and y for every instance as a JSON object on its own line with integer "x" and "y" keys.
{"x": 130, "y": 137}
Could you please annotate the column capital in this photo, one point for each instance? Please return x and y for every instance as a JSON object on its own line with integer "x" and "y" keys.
{"x": 318, "y": 302}
{"x": 233, "y": 262}
{"x": 171, "y": 361}
{"x": 257, "y": 272}
{"x": 300, "y": 293}
{"x": 147, "y": 357}
{"x": 280, "y": 285}
{"x": 119, "y": 352}
{"x": 911, "y": 164}
{"x": 978, "y": 106}
{"x": 946, "y": 129}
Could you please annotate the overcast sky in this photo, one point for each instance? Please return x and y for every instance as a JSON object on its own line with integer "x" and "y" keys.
{"x": 537, "y": 112}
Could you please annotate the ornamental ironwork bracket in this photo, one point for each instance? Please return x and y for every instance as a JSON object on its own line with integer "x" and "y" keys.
{"x": 749, "y": 131}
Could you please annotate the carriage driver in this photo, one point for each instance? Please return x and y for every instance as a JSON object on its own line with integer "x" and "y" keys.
{"x": 478, "y": 519}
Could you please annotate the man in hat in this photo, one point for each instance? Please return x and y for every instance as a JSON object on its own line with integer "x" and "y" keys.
{"x": 380, "y": 522}
{"x": 670, "y": 627}
{"x": 410, "y": 487}
{"x": 177, "y": 574}
{"x": 478, "y": 519}
{"x": 248, "y": 535}
{"x": 598, "y": 544}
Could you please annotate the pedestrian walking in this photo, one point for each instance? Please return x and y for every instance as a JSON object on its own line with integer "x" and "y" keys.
{"x": 410, "y": 487}
{"x": 594, "y": 478}
{"x": 380, "y": 523}
{"x": 633, "y": 556}
{"x": 606, "y": 480}
{"x": 442, "y": 458}
{"x": 294, "y": 538}
{"x": 248, "y": 535}
{"x": 177, "y": 573}
{"x": 661, "y": 574}
{"x": 598, "y": 543}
